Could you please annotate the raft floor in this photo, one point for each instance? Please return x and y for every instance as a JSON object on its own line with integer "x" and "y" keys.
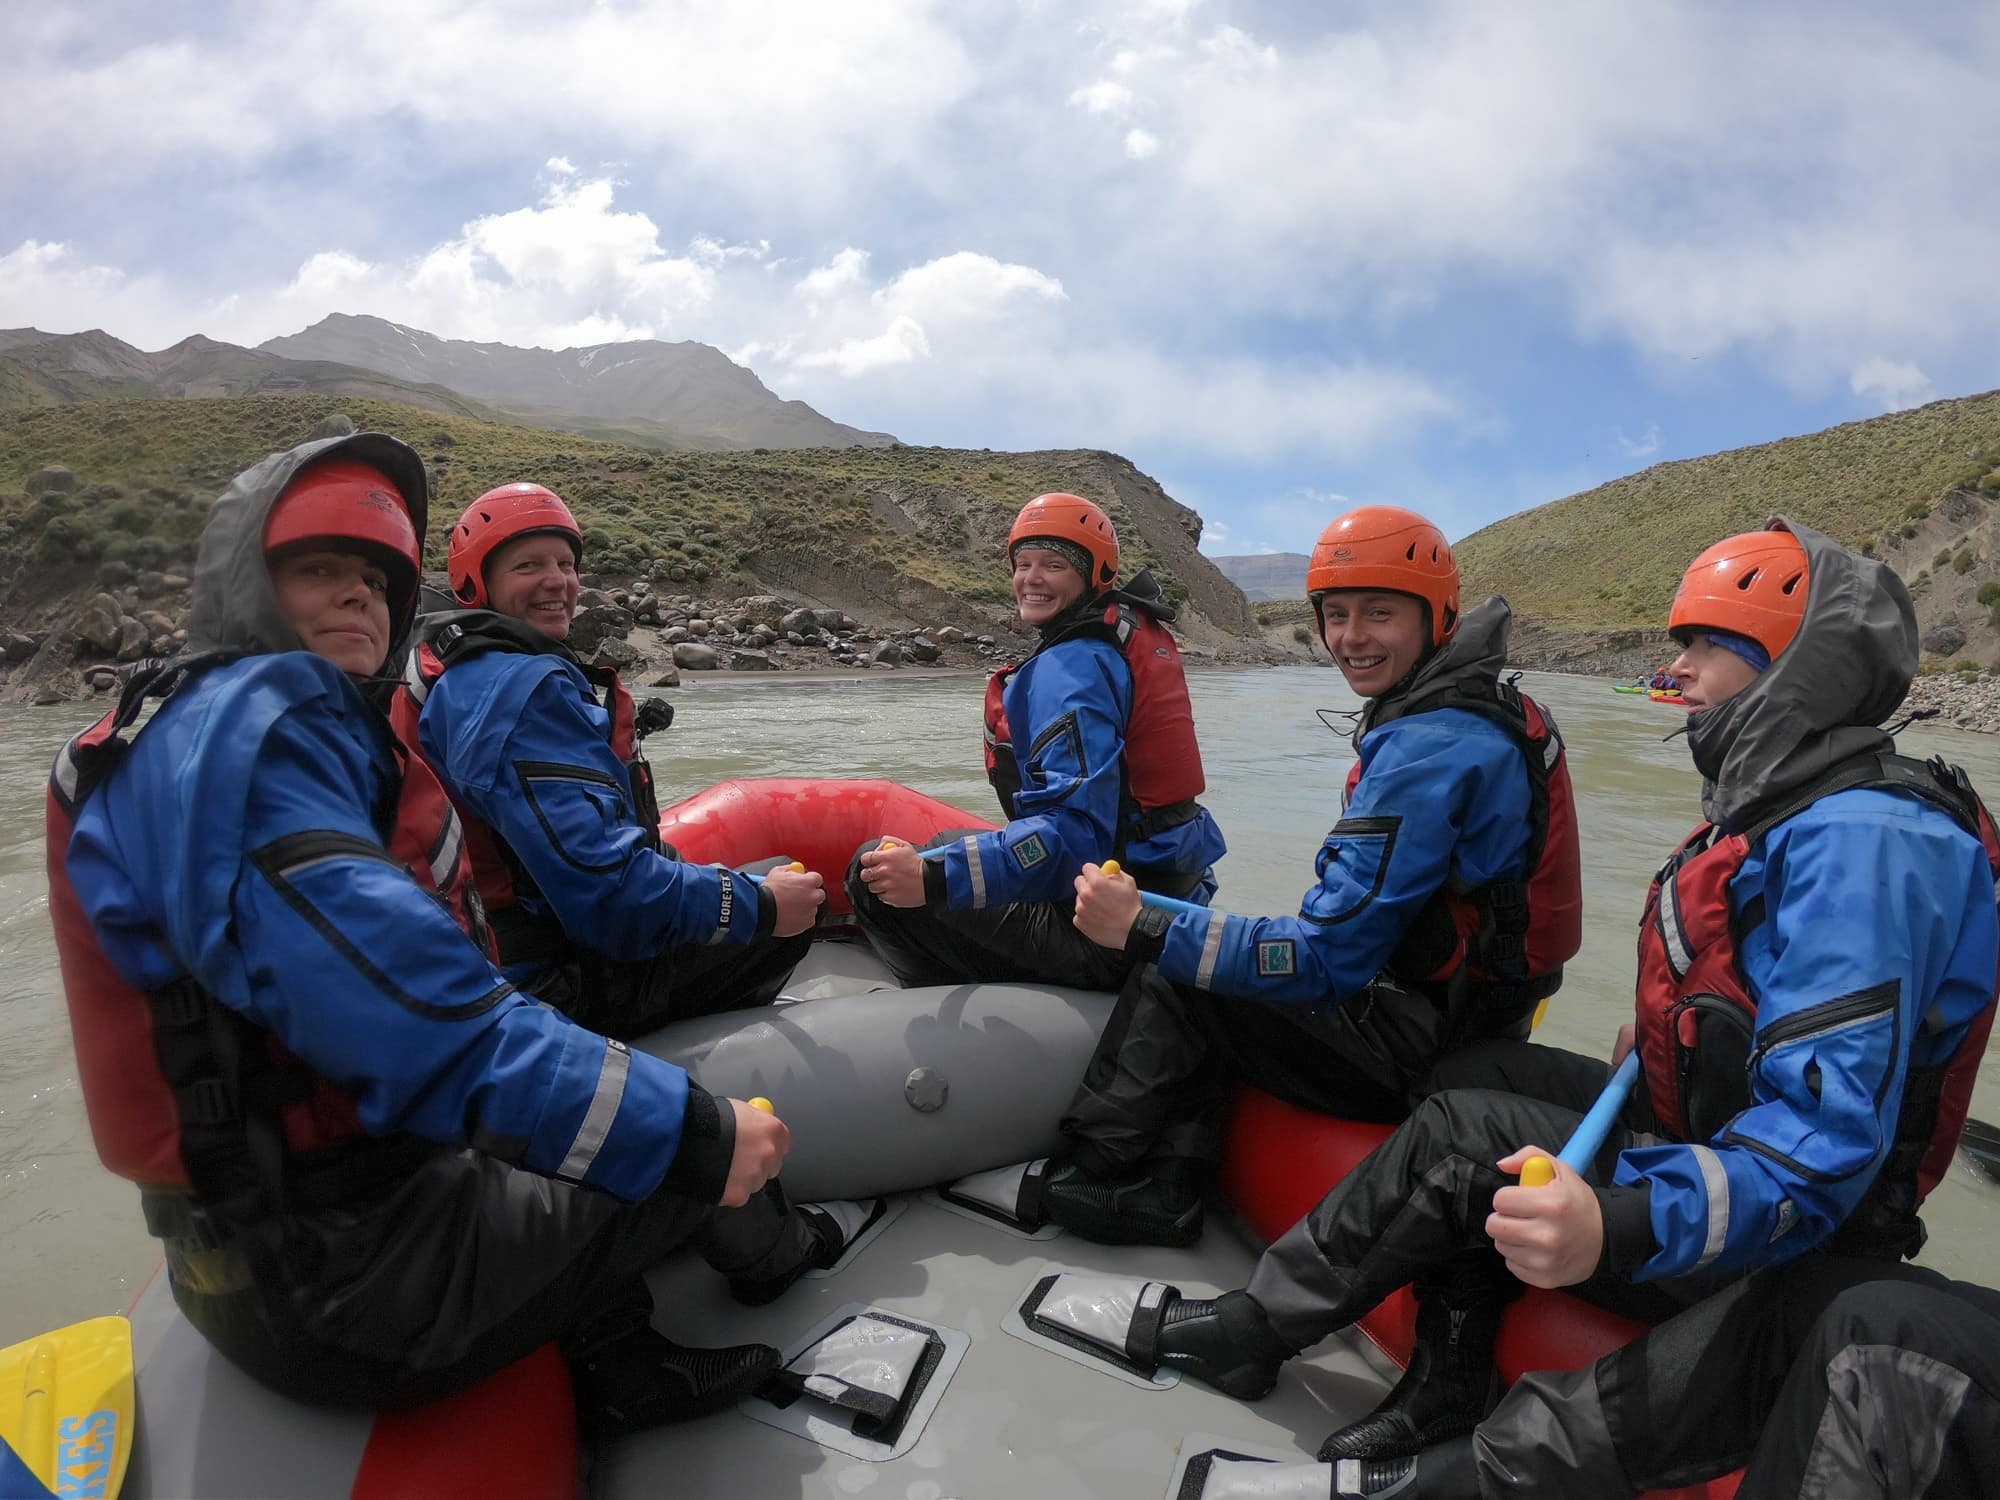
{"x": 1016, "y": 1420}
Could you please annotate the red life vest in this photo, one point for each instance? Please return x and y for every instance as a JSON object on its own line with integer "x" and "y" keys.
{"x": 501, "y": 877}
{"x": 182, "y": 1092}
{"x": 1161, "y": 761}
{"x": 1696, "y": 1017}
{"x": 1502, "y": 946}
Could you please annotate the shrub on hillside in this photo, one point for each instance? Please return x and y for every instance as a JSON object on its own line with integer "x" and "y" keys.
{"x": 1963, "y": 560}
{"x": 1917, "y": 510}
{"x": 1989, "y": 591}
{"x": 1943, "y": 557}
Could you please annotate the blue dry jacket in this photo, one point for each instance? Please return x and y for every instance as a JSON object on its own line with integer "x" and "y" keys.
{"x": 523, "y": 744}
{"x": 1877, "y": 949}
{"x": 1443, "y": 799}
{"x": 243, "y": 841}
{"x": 1067, "y": 708}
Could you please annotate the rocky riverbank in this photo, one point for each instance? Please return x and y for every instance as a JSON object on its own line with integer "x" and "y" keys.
{"x": 652, "y": 637}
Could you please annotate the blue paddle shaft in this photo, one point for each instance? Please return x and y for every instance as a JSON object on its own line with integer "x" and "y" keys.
{"x": 1168, "y": 903}
{"x": 1588, "y": 1137}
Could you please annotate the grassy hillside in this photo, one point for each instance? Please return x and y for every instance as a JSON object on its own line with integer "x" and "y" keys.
{"x": 1608, "y": 559}
{"x": 895, "y": 526}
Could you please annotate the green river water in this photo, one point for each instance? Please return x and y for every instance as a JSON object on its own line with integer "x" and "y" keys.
{"x": 71, "y": 1243}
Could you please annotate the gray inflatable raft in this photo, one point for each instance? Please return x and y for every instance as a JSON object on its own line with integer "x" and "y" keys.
{"x": 886, "y": 1091}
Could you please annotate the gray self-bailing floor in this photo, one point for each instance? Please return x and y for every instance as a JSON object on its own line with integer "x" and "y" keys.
{"x": 1017, "y": 1421}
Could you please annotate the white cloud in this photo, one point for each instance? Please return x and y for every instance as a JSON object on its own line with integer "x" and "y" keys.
{"x": 1640, "y": 447}
{"x": 1104, "y": 97}
{"x": 1896, "y": 385}
{"x": 901, "y": 343}
{"x": 846, "y": 271}
{"x": 1140, "y": 144}
{"x": 967, "y": 286}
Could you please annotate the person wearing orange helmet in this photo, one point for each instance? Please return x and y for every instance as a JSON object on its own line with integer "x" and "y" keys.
{"x": 1816, "y": 987}
{"x": 1090, "y": 746}
{"x": 1445, "y": 902}
{"x": 380, "y": 1171}
{"x": 540, "y": 752}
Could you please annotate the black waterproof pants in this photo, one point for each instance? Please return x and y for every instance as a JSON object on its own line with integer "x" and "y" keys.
{"x": 461, "y": 1267}
{"x": 1415, "y": 1210}
{"x": 1833, "y": 1378}
{"x": 623, "y": 999}
{"x": 1022, "y": 942}
{"x": 1159, "y": 1083}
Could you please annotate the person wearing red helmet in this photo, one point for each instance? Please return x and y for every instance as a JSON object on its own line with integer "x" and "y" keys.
{"x": 1445, "y": 901}
{"x": 379, "y": 1170}
{"x": 540, "y": 752}
{"x": 1815, "y": 991}
{"x": 1090, "y": 746}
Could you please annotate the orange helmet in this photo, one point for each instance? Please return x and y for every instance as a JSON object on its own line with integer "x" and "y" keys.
{"x": 1750, "y": 585}
{"x": 1386, "y": 547}
{"x": 350, "y": 506}
{"x": 1072, "y": 519}
{"x": 499, "y": 516}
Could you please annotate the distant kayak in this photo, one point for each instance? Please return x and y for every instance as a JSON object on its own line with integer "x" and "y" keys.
{"x": 1627, "y": 687}
{"x": 1661, "y": 695}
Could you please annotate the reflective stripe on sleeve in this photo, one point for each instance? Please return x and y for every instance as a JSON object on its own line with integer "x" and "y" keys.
{"x": 444, "y": 858}
{"x": 1715, "y": 1180}
{"x": 1211, "y": 950}
{"x": 976, "y": 870}
{"x": 596, "y": 1126}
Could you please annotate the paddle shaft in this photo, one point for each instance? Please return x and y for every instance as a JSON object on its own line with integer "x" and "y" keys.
{"x": 1164, "y": 903}
{"x": 1588, "y": 1137}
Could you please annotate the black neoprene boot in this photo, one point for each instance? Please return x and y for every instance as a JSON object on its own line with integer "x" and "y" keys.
{"x": 1227, "y": 1343}
{"x": 1445, "y": 1472}
{"x": 1448, "y": 1389}
{"x": 1155, "y": 1203}
{"x": 827, "y": 1228}
{"x": 644, "y": 1379}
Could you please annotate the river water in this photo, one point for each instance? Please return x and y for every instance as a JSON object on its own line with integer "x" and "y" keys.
{"x": 71, "y": 1244}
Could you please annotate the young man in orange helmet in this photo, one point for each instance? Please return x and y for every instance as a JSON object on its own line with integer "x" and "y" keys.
{"x": 1816, "y": 986}
{"x": 380, "y": 1172}
{"x": 1090, "y": 745}
{"x": 540, "y": 753}
{"x": 1446, "y": 900}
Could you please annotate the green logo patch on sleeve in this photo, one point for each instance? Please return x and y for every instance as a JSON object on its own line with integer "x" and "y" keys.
{"x": 1277, "y": 958}
{"x": 1031, "y": 851}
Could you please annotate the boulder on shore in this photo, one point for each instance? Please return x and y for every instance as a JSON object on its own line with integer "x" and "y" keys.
{"x": 693, "y": 656}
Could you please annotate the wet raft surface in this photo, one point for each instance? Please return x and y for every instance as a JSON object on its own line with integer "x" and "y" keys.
{"x": 1016, "y": 1419}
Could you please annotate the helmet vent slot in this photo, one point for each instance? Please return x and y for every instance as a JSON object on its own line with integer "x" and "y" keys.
{"x": 1744, "y": 583}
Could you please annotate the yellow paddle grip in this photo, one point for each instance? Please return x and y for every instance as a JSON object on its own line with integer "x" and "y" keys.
{"x": 1537, "y": 1171}
{"x": 760, "y": 1102}
{"x": 1110, "y": 867}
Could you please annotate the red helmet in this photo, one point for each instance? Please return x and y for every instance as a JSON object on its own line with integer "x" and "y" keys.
{"x": 1751, "y": 585}
{"x": 350, "y": 506}
{"x": 1072, "y": 519}
{"x": 1395, "y": 550}
{"x": 497, "y": 517}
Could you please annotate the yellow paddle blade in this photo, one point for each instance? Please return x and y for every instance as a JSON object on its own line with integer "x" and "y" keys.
{"x": 66, "y": 1406}
{"x": 1541, "y": 1010}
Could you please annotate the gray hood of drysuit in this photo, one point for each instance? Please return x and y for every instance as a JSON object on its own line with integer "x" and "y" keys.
{"x": 1477, "y": 651}
{"x": 234, "y": 607}
{"x": 1821, "y": 698}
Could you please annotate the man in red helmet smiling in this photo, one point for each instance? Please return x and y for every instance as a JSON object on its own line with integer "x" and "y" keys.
{"x": 1090, "y": 746}
{"x": 1816, "y": 986}
{"x": 379, "y": 1170}
{"x": 540, "y": 752}
{"x": 1445, "y": 901}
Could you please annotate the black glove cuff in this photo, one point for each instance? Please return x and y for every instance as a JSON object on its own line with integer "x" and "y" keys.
{"x": 1628, "y": 1227}
{"x": 700, "y": 1168}
{"x": 934, "y": 896}
{"x": 1148, "y": 937}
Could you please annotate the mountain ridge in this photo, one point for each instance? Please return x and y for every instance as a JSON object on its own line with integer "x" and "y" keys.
{"x": 694, "y": 389}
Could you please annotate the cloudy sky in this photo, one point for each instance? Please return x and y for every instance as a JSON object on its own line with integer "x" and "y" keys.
{"x": 1462, "y": 256}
